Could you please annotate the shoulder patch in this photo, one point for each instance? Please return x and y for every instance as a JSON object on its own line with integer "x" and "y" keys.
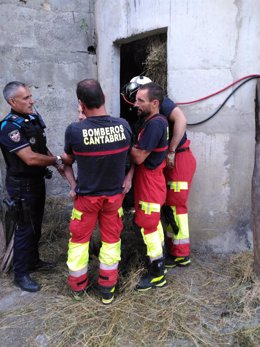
{"x": 15, "y": 135}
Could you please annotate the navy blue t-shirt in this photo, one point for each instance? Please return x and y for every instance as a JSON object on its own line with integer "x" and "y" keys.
{"x": 153, "y": 138}
{"x": 166, "y": 108}
{"x": 100, "y": 145}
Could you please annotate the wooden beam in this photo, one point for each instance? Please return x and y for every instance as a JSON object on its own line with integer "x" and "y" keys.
{"x": 256, "y": 186}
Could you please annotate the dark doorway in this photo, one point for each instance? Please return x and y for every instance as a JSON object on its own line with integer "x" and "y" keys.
{"x": 136, "y": 59}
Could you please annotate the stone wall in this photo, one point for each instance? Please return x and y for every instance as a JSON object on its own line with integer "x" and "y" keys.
{"x": 48, "y": 44}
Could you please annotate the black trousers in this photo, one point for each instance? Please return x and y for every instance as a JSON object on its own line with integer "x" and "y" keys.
{"x": 28, "y": 230}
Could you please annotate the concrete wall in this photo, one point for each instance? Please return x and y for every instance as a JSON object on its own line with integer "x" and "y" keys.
{"x": 210, "y": 45}
{"x": 45, "y": 43}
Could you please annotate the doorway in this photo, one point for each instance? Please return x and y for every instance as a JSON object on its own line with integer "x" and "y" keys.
{"x": 147, "y": 57}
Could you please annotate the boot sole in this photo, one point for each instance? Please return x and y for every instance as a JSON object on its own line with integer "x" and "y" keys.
{"x": 185, "y": 264}
{"x": 159, "y": 285}
{"x": 107, "y": 301}
{"x": 27, "y": 290}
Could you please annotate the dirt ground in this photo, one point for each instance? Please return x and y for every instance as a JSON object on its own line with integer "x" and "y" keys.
{"x": 213, "y": 302}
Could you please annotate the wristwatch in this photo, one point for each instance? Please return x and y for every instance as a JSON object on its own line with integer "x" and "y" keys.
{"x": 58, "y": 160}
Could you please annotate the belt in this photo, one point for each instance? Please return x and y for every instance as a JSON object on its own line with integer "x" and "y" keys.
{"x": 182, "y": 150}
{"x": 23, "y": 181}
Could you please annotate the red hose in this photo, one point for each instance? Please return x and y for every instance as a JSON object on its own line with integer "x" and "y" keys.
{"x": 218, "y": 92}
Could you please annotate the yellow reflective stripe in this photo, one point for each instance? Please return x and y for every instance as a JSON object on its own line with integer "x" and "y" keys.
{"x": 160, "y": 231}
{"x": 183, "y": 225}
{"x": 167, "y": 134}
{"x": 77, "y": 256}
{"x": 177, "y": 186}
{"x": 149, "y": 207}
{"x": 157, "y": 279}
{"x": 110, "y": 253}
{"x": 120, "y": 212}
{"x": 169, "y": 230}
{"x": 153, "y": 244}
{"x": 76, "y": 214}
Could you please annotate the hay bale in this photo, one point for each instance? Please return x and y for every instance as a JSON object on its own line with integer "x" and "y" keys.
{"x": 155, "y": 65}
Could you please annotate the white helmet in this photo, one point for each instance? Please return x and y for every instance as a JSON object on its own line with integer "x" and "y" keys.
{"x": 140, "y": 80}
{"x": 134, "y": 84}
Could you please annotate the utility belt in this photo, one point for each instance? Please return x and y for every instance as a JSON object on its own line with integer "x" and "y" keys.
{"x": 23, "y": 181}
{"x": 28, "y": 180}
{"x": 20, "y": 185}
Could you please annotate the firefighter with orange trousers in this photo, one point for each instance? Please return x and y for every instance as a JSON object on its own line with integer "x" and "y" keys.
{"x": 99, "y": 144}
{"x": 179, "y": 172}
{"x": 149, "y": 155}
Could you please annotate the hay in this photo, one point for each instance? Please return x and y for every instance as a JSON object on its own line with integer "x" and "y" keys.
{"x": 155, "y": 65}
{"x": 214, "y": 302}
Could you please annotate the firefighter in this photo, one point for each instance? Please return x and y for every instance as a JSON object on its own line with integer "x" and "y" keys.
{"x": 149, "y": 155}
{"x": 99, "y": 144}
{"x": 181, "y": 166}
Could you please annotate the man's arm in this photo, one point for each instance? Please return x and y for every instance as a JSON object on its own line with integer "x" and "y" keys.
{"x": 35, "y": 159}
{"x": 69, "y": 173}
{"x": 60, "y": 168}
{"x": 177, "y": 117}
{"x": 138, "y": 156}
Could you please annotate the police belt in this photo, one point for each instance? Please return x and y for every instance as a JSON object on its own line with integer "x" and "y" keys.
{"x": 182, "y": 150}
{"x": 23, "y": 181}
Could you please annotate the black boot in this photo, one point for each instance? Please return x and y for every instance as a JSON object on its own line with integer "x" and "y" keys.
{"x": 155, "y": 277}
{"x": 26, "y": 283}
{"x": 107, "y": 294}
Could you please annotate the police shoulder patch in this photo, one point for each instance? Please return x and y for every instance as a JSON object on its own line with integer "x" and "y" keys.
{"x": 15, "y": 135}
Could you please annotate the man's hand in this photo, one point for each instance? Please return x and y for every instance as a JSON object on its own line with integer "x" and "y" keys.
{"x": 127, "y": 184}
{"x": 72, "y": 194}
{"x": 170, "y": 159}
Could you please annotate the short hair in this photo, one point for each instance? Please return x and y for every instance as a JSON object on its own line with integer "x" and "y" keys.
{"x": 90, "y": 93}
{"x": 10, "y": 89}
{"x": 155, "y": 91}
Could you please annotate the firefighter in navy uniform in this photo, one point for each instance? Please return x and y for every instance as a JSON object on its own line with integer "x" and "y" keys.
{"x": 181, "y": 166}
{"x": 23, "y": 144}
{"x": 149, "y": 155}
{"x": 99, "y": 144}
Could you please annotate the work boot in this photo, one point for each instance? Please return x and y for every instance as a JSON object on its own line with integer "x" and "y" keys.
{"x": 107, "y": 294}
{"x": 26, "y": 283}
{"x": 42, "y": 266}
{"x": 154, "y": 278}
{"x": 171, "y": 262}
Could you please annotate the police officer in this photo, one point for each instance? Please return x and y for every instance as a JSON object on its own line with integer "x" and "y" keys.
{"x": 23, "y": 145}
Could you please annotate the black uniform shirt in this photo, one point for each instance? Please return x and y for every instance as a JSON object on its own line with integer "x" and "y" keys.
{"x": 100, "y": 145}
{"x": 19, "y": 131}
